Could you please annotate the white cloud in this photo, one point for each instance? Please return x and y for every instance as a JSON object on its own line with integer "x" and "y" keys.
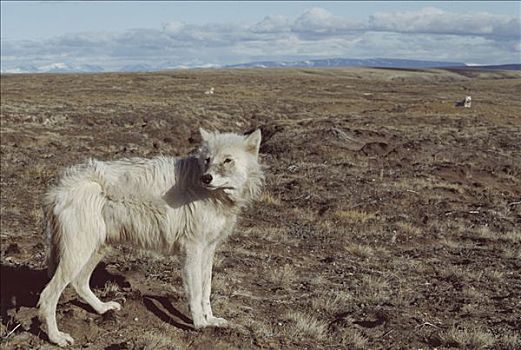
{"x": 173, "y": 27}
{"x": 320, "y": 21}
{"x": 443, "y": 47}
{"x": 435, "y": 21}
{"x": 272, "y": 24}
{"x": 429, "y": 33}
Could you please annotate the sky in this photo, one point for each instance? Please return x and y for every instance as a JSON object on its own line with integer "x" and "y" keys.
{"x": 113, "y": 34}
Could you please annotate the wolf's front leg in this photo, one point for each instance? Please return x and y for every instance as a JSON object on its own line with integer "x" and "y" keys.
{"x": 207, "y": 288}
{"x": 193, "y": 282}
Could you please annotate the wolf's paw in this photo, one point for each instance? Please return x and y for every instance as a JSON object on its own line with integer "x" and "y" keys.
{"x": 217, "y": 322}
{"x": 111, "y": 305}
{"x": 200, "y": 324}
{"x": 61, "y": 339}
{"x": 199, "y": 321}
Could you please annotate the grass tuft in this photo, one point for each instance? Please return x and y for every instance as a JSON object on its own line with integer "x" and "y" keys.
{"x": 282, "y": 276}
{"x": 305, "y": 325}
{"x": 354, "y": 339}
{"x": 472, "y": 338}
{"x": 331, "y": 303}
{"x": 354, "y": 216}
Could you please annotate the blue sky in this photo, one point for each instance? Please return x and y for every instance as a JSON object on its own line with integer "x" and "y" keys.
{"x": 113, "y": 34}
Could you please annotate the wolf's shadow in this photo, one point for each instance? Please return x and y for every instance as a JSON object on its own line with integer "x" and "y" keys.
{"x": 151, "y": 303}
{"x": 22, "y": 285}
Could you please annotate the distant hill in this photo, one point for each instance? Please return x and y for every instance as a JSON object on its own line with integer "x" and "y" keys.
{"x": 61, "y": 67}
{"x": 55, "y": 68}
{"x": 498, "y": 67}
{"x": 350, "y": 62}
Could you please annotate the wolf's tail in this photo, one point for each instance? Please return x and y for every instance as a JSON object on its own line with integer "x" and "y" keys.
{"x": 74, "y": 224}
{"x": 53, "y": 253}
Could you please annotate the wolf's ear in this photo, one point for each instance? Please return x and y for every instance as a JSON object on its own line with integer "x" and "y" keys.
{"x": 205, "y": 135}
{"x": 253, "y": 142}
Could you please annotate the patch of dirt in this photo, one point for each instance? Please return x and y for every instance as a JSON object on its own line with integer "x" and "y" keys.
{"x": 390, "y": 219}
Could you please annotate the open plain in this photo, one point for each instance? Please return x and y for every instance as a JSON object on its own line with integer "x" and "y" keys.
{"x": 390, "y": 219}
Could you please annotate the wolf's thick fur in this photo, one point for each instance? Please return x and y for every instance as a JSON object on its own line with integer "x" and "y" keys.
{"x": 163, "y": 204}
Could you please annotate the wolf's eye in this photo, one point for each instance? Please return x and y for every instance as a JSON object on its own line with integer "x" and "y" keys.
{"x": 207, "y": 160}
{"x": 227, "y": 160}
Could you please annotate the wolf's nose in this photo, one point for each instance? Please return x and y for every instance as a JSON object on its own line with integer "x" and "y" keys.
{"x": 206, "y": 178}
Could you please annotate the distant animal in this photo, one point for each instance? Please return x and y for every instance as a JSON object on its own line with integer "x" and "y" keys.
{"x": 209, "y": 92}
{"x": 163, "y": 204}
{"x": 466, "y": 102}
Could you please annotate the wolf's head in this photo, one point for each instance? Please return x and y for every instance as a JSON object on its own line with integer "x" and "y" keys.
{"x": 230, "y": 163}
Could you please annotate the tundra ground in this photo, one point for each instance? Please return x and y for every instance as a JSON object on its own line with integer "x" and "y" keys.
{"x": 391, "y": 219}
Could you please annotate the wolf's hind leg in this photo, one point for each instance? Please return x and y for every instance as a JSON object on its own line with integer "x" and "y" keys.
{"x": 82, "y": 287}
{"x": 70, "y": 265}
{"x": 47, "y": 306}
{"x": 76, "y": 230}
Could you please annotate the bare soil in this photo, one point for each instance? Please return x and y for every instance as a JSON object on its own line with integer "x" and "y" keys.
{"x": 391, "y": 219}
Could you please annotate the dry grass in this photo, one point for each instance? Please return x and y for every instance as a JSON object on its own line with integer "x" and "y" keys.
{"x": 511, "y": 253}
{"x": 485, "y": 233}
{"x": 110, "y": 288}
{"x": 409, "y": 229}
{"x": 269, "y": 199}
{"x": 470, "y": 309}
{"x": 160, "y": 339}
{"x": 360, "y": 250}
{"x": 510, "y": 341}
{"x": 458, "y": 273}
{"x": 5, "y": 333}
{"x": 450, "y": 243}
{"x": 331, "y": 303}
{"x": 471, "y": 338}
{"x": 513, "y": 237}
{"x": 472, "y": 294}
{"x": 305, "y": 325}
{"x": 274, "y": 234}
{"x": 353, "y": 339}
{"x": 350, "y": 217}
{"x": 494, "y": 276}
{"x": 282, "y": 276}
{"x": 372, "y": 290}
{"x": 265, "y": 329}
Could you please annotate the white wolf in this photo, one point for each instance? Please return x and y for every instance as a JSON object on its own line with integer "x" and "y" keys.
{"x": 466, "y": 102}
{"x": 163, "y": 204}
